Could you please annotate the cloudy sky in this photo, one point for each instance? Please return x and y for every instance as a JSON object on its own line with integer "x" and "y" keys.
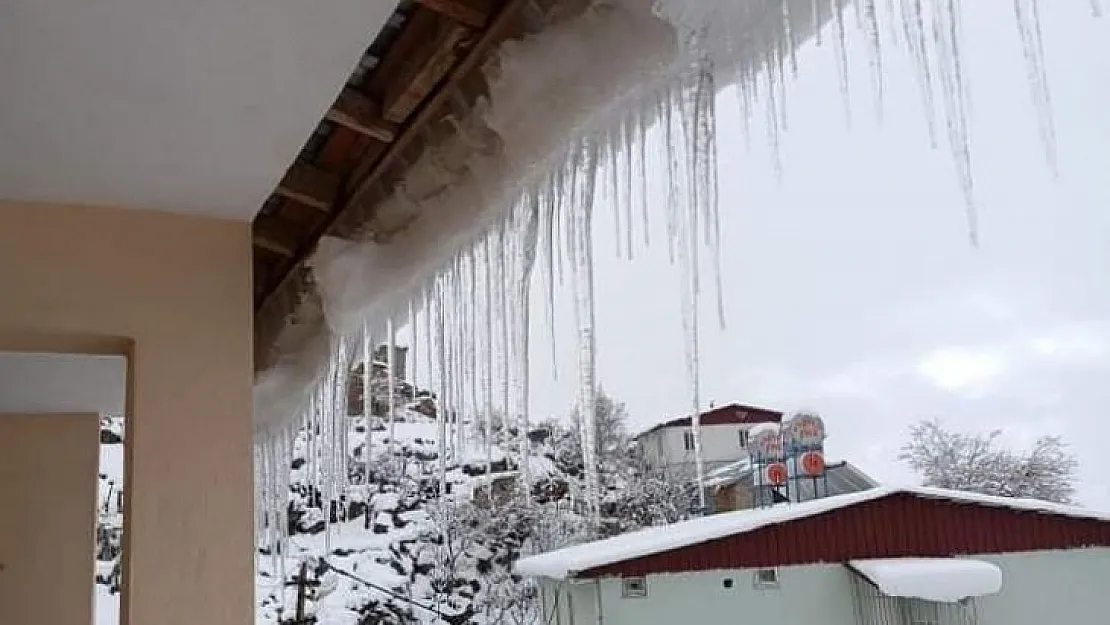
{"x": 850, "y": 284}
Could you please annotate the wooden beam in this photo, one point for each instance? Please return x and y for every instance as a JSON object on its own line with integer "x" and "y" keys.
{"x": 422, "y": 55}
{"x": 359, "y": 113}
{"x": 310, "y": 186}
{"x": 475, "y": 56}
{"x": 497, "y": 30}
{"x": 472, "y": 13}
{"x": 275, "y": 236}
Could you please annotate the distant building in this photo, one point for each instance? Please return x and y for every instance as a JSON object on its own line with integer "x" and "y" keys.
{"x": 885, "y": 556}
{"x": 724, "y": 436}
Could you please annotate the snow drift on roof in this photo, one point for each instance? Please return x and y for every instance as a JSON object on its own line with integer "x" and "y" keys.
{"x": 945, "y": 580}
{"x": 573, "y": 560}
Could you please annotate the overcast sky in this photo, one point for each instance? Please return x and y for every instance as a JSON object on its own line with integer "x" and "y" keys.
{"x": 851, "y": 287}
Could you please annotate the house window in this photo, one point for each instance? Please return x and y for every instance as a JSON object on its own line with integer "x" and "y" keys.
{"x": 743, "y": 439}
{"x": 688, "y": 440}
{"x": 633, "y": 587}
{"x": 765, "y": 578}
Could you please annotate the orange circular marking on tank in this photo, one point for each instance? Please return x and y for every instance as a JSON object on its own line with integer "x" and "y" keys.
{"x": 777, "y": 474}
{"x": 813, "y": 463}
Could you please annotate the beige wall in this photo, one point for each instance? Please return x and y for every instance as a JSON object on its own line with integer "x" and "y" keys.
{"x": 173, "y": 294}
{"x": 47, "y": 518}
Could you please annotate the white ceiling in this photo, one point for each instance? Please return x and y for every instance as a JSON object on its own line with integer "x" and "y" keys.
{"x": 62, "y": 383}
{"x": 193, "y": 106}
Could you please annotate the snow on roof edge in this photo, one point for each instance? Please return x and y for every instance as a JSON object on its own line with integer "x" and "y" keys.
{"x": 943, "y": 580}
{"x": 571, "y": 561}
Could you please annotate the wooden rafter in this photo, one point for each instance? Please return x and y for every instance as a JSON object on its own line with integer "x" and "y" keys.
{"x": 310, "y": 186}
{"x": 472, "y": 13}
{"x": 492, "y": 36}
{"x": 271, "y": 234}
{"x": 366, "y": 181}
{"x": 422, "y": 55}
{"x": 361, "y": 114}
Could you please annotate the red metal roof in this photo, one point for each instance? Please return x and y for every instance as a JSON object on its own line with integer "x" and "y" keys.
{"x": 724, "y": 415}
{"x": 901, "y": 524}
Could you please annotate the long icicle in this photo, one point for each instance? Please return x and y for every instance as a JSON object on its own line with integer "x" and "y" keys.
{"x": 581, "y": 252}
{"x": 527, "y": 242}
{"x": 368, "y": 431}
{"x": 390, "y": 372}
{"x": 441, "y": 366}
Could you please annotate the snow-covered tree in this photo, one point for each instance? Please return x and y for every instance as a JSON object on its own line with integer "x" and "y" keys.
{"x": 638, "y": 495}
{"x": 610, "y": 421}
{"x": 632, "y": 494}
{"x": 978, "y": 463}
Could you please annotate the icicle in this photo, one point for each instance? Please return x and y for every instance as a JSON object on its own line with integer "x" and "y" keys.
{"x": 581, "y": 253}
{"x": 818, "y": 20}
{"x": 672, "y": 173}
{"x": 773, "y": 127}
{"x": 548, "y": 204}
{"x": 390, "y": 386}
{"x": 913, "y": 26}
{"x": 641, "y": 140}
{"x": 488, "y": 373}
{"x": 327, "y": 480}
{"x": 504, "y": 338}
{"x": 441, "y": 366}
{"x": 788, "y": 35}
{"x": 473, "y": 362}
{"x": 628, "y": 139}
{"x": 615, "y": 195}
{"x": 285, "y": 459}
{"x": 700, "y": 196}
{"x": 1027, "y": 14}
{"x": 840, "y": 44}
{"x": 413, "y": 378}
{"x": 527, "y": 242}
{"x": 462, "y": 339}
{"x": 947, "y": 36}
{"x": 1096, "y": 8}
{"x": 706, "y": 146}
{"x": 875, "y": 54}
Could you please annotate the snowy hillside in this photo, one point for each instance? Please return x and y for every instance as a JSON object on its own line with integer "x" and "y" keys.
{"x": 393, "y": 548}
{"x": 402, "y": 553}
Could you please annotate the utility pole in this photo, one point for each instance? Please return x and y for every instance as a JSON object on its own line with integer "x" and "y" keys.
{"x": 302, "y": 582}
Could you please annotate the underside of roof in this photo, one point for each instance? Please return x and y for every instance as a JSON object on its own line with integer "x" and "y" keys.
{"x": 464, "y": 117}
{"x": 414, "y": 87}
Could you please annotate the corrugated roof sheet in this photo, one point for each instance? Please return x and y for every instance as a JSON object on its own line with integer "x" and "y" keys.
{"x": 896, "y": 534}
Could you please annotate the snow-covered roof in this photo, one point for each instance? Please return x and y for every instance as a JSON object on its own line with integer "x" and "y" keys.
{"x": 730, "y": 414}
{"x": 945, "y": 580}
{"x": 573, "y": 560}
{"x": 760, "y": 428}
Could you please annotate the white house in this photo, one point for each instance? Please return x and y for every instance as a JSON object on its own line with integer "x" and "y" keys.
{"x": 670, "y": 445}
{"x": 886, "y": 556}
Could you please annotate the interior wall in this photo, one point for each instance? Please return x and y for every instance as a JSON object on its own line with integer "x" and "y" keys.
{"x": 173, "y": 294}
{"x": 47, "y": 519}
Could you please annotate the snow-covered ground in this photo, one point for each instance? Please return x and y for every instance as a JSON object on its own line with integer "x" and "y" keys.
{"x": 390, "y": 564}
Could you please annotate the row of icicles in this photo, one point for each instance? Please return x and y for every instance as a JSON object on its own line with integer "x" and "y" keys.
{"x": 469, "y": 324}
